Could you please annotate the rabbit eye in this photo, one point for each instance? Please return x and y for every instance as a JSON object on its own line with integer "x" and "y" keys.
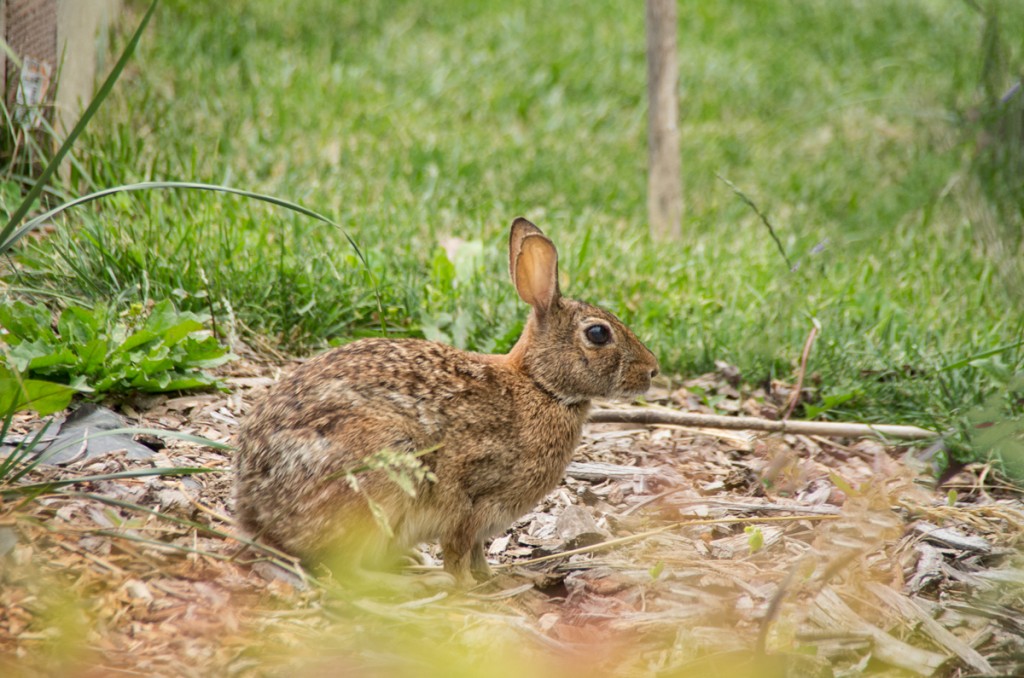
{"x": 599, "y": 334}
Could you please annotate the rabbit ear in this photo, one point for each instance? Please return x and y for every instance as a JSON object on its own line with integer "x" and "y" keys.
{"x": 533, "y": 265}
{"x": 520, "y": 229}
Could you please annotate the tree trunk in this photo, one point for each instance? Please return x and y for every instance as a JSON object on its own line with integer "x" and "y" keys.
{"x": 664, "y": 181}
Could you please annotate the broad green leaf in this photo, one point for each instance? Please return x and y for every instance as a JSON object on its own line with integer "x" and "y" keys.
{"x": 830, "y": 402}
{"x": 107, "y": 382}
{"x": 24, "y": 322}
{"x": 206, "y": 352}
{"x": 174, "y": 334}
{"x": 158, "y": 360}
{"x": 460, "y": 329}
{"x": 433, "y": 332}
{"x": 80, "y": 384}
{"x": 77, "y": 325}
{"x": 171, "y": 381}
{"x": 144, "y": 382}
{"x": 35, "y": 355}
{"x": 92, "y": 356}
{"x": 162, "y": 316}
{"x": 140, "y": 338}
{"x": 45, "y": 397}
{"x": 61, "y": 358}
{"x": 185, "y": 382}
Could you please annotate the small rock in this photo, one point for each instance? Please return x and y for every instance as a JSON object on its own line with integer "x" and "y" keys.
{"x": 499, "y": 545}
{"x": 730, "y": 373}
{"x": 138, "y": 592}
{"x": 576, "y": 527}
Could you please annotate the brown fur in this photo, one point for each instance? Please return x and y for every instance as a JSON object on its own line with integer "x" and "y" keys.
{"x": 506, "y": 427}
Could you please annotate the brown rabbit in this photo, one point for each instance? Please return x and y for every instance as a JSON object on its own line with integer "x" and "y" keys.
{"x": 504, "y": 427}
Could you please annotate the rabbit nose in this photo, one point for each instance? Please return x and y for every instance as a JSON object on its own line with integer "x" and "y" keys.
{"x": 654, "y": 372}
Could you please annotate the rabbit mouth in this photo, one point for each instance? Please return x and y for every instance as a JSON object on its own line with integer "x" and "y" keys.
{"x": 635, "y": 383}
{"x": 633, "y": 391}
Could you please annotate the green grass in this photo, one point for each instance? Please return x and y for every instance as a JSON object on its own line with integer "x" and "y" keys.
{"x": 409, "y": 122}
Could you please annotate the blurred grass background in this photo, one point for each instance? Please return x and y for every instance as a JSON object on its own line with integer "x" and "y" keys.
{"x": 870, "y": 133}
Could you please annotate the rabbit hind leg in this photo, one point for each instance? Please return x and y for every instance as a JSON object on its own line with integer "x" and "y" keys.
{"x": 478, "y": 564}
{"x": 464, "y": 557}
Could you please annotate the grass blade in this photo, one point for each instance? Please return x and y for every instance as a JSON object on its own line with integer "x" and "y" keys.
{"x": 36, "y": 489}
{"x": 194, "y": 186}
{"x": 23, "y": 458}
{"x": 283, "y": 559}
{"x": 964, "y": 362}
{"x": 142, "y": 431}
{"x": 762, "y": 216}
{"x": 17, "y": 462}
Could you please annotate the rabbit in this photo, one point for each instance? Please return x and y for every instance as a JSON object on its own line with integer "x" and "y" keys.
{"x": 498, "y": 430}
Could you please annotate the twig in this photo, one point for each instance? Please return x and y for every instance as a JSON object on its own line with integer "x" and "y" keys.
{"x": 794, "y": 397}
{"x": 629, "y": 539}
{"x": 730, "y": 505}
{"x": 649, "y": 500}
{"x": 918, "y": 617}
{"x": 819, "y": 510}
{"x": 822, "y": 428}
{"x": 91, "y": 556}
{"x": 202, "y": 507}
{"x": 831, "y": 612}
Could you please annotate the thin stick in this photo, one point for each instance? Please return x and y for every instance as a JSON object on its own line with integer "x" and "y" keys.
{"x": 794, "y": 398}
{"x": 821, "y": 428}
{"x": 202, "y": 507}
{"x": 629, "y": 539}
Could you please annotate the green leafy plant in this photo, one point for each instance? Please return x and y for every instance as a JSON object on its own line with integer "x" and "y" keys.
{"x": 450, "y": 274}
{"x": 830, "y": 402}
{"x": 96, "y": 351}
{"x": 996, "y": 428}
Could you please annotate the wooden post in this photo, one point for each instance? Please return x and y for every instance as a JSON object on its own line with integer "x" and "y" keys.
{"x": 664, "y": 180}
{"x": 83, "y": 39}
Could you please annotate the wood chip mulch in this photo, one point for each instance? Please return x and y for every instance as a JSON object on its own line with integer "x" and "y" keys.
{"x": 666, "y": 551}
